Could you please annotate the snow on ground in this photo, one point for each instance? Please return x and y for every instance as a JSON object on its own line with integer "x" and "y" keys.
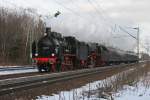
{"x": 138, "y": 91}
{"x": 17, "y": 71}
{"x": 8, "y": 66}
{"x": 26, "y": 66}
{"x": 81, "y": 93}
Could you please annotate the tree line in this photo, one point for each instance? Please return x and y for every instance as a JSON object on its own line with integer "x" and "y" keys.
{"x": 18, "y": 29}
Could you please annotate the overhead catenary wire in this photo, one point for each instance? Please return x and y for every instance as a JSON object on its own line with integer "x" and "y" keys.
{"x": 113, "y": 28}
{"x": 69, "y": 9}
{"x": 77, "y": 6}
{"x": 96, "y": 10}
{"x": 120, "y": 27}
{"x": 91, "y": 16}
{"x": 128, "y": 33}
{"x": 124, "y": 30}
{"x": 73, "y": 11}
{"x": 100, "y": 14}
{"x": 111, "y": 24}
{"x": 103, "y": 11}
{"x": 102, "y": 17}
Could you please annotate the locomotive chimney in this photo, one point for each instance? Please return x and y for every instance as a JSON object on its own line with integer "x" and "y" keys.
{"x": 48, "y": 31}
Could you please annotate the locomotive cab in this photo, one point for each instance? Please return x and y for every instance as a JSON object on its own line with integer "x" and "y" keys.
{"x": 69, "y": 53}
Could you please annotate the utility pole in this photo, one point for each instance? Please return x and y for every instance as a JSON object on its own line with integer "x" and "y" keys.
{"x": 138, "y": 41}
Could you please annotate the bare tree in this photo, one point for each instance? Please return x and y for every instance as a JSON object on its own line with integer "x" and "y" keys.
{"x": 18, "y": 29}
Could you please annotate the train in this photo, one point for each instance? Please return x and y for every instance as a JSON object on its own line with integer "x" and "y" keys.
{"x": 54, "y": 53}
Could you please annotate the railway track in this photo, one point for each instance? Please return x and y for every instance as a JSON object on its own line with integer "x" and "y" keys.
{"x": 15, "y": 84}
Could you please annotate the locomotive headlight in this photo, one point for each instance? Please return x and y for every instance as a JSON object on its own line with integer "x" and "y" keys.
{"x": 36, "y": 54}
{"x": 45, "y": 34}
{"x": 53, "y": 54}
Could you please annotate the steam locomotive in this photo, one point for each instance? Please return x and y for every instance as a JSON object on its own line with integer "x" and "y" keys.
{"x": 54, "y": 53}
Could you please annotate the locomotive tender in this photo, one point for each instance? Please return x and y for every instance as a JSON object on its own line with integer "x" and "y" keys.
{"x": 56, "y": 53}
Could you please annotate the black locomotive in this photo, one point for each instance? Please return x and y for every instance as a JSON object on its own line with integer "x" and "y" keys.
{"x": 56, "y": 53}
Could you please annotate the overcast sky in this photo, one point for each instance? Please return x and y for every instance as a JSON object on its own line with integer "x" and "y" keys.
{"x": 94, "y": 20}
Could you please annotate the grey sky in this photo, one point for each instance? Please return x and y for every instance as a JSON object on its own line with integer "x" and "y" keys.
{"x": 80, "y": 18}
